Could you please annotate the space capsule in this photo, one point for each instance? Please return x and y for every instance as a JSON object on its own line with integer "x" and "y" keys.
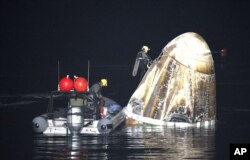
{"x": 179, "y": 86}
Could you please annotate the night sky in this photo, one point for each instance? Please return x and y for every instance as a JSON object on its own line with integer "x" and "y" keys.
{"x": 36, "y": 34}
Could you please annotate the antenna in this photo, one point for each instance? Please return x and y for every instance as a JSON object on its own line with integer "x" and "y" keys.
{"x": 88, "y": 72}
{"x": 58, "y": 74}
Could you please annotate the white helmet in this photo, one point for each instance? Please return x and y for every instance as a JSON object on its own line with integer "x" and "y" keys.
{"x": 145, "y": 48}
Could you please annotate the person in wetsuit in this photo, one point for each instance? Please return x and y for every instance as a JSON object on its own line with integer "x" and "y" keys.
{"x": 96, "y": 88}
{"x": 142, "y": 62}
{"x": 95, "y": 94}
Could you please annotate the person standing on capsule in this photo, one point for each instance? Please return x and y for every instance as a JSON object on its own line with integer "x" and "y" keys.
{"x": 142, "y": 62}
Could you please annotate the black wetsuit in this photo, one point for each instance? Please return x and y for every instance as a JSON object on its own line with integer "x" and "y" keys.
{"x": 95, "y": 94}
{"x": 144, "y": 59}
{"x": 96, "y": 89}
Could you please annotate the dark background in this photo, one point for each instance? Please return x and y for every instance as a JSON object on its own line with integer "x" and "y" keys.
{"x": 35, "y": 35}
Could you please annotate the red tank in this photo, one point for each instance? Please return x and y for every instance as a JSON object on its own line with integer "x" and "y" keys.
{"x": 66, "y": 84}
{"x": 80, "y": 84}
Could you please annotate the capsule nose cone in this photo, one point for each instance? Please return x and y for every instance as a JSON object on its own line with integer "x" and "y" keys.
{"x": 191, "y": 50}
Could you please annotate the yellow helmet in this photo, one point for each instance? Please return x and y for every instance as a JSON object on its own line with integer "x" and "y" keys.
{"x": 104, "y": 82}
{"x": 145, "y": 48}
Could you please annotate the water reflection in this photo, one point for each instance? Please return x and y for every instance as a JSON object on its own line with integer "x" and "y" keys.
{"x": 71, "y": 147}
{"x": 177, "y": 143}
{"x": 130, "y": 142}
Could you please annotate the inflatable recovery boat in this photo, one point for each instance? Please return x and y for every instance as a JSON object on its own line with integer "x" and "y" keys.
{"x": 77, "y": 113}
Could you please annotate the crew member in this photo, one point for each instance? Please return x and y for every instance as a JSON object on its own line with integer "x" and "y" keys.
{"x": 96, "y": 88}
{"x": 142, "y": 61}
{"x": 95, "y": 94}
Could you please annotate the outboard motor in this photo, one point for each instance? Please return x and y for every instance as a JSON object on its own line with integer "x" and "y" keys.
{"x": 75, "y": 119}
{"x": 40, "y": 123}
